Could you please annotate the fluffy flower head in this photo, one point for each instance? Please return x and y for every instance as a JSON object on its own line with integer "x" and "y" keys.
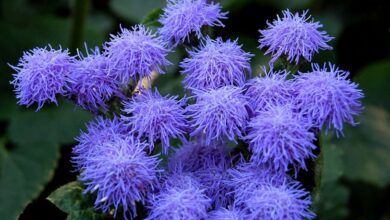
{"x": 98, "y": 132}
{"x": 120, "y": 172}
{"x": 269, "y": 90}
{"x": 41, "y": 74}
{"x": 226, "y": 214}
{"x": 134, "y": 54}
{"x": 277, "y": 135}
{"x": 247, "y": 177}
{"x": 182, "y": 17}
{"x": 90, "y": 84}
{"x": 294, "y": 35}
{"x": 208, "y": 164}
{"x": 216, "y": 63}
{"x": 326, "y": 97}
{"x": 183, "y": 200}
{"x": 156, "y": 117}
{"x": 283, "y": 201}
{"x": 219, "y": 113}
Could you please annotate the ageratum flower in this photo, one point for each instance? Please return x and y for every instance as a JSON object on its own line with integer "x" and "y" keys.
{"x": 136, "y": 53}
{"x": 277, "y": 135}
{"x": 218, "y": 114}
{"x": 182, "y": 17}
{"x": 120, "y": 172}
{"x": 90, "y": 84}
{"x": 216, "y": 63}
{"x": 247, "y": 177}
{"x": 180, "y": 199}
{"x": 327, "y": 98}
{"x": 98, "y": 131}
{"x": 208, "y": 164}
{"x": 156, "y": 117}
{"x": 196, "y": 155}
{"x": 269, "y": 90}
{"x": 227, "y": 214}
{"x": 41, "y": 74}
{"x": 294, "y": 35}
{"x": 278, "y": 202}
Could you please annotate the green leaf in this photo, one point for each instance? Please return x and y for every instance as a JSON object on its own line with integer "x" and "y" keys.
{"x": 330, "y": 197}
{"x": 24, "y": 171}
{"x": 134, "y": 11}
{"x": 367, "y": 146}
{"x": 363, "y": 154}
{"x": 374, "y": 80}
{"x": 71, "y": 200}
{"x": 151, "y": 20}
{"x": 54, "y": 125}
{"x": 30, "y": 160}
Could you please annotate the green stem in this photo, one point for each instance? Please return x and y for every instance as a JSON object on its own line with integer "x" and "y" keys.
{"x": 79, "y": 15}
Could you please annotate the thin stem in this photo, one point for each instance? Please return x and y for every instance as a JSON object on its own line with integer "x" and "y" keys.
{"x": 79, "y": 15}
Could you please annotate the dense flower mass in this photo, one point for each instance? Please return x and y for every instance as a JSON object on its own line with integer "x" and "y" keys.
{"x": 277, "y": 135}
{"x": 183, "y": 17}
{"x": 90, "y": 84}
{"x": 233, "y": 150}
{"x": 269, "y": 90}
{"x": 219, "y": 114}
{"x": 120, "y": 171}
{"x": 226, "y": 214}
{"x": 183, "y": 199}
{"x": 278, "y": 202}
{"x": 327, "y": 98}
{"x": 216, "y": 63}
{"x": 295, "y": 36}
{"x": 41, "y": 75}
{"x": 136, "y": 53}
{"x": 156, "y": 117}
{"x": 246, "y": 177}
{"x": 208, "y": 164}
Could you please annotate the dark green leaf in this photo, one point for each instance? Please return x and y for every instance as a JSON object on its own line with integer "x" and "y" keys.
{"x": 54, "y": 125}
{"x": 134, "y": 11}
{"x": 152, "y": 18}
{"x": 70, "y": 199}
{"x": 24, "y": 171}
{"x": 367, "y": 146}
{"x": 330, "y": 197}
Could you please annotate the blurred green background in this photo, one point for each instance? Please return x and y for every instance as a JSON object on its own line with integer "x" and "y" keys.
{"x": 35, "y": 147}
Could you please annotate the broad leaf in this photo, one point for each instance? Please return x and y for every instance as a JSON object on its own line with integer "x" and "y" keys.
{"x": 54, "y": 125}
{"x": 71, "y": 200}
{"x": 24, "y": 171}
{"x": 134, "y": 11}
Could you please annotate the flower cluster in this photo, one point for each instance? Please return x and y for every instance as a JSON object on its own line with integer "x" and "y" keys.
{"x": 231, "y": 150}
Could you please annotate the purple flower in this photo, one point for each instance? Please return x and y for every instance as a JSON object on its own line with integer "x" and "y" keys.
{"x": 226, "y": 214}
{"x": 119, "y": 171}
{"x": 90, "y": 84}
{"x": 41, "y": 74}
{"x": 247, "y": 177}
{"x": 277, "y": 135}
{"x": 326, "y": 97}
{"x": 269, "y": 90}
{"x": 218, "y": 114}
{"x": 99, "y": 131}
{"x": 156, "y": 117}
{"x": 196, "y": 155}
{"x": 208, "y": 164}
{"x": 134, "y": 54}
{"x": 182, "y": 17}
{"x": 216, "y": 64}
{"x": 278, "y": 202}
{"x": 181, "y": 199}
{"x": 294, "y": 35}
